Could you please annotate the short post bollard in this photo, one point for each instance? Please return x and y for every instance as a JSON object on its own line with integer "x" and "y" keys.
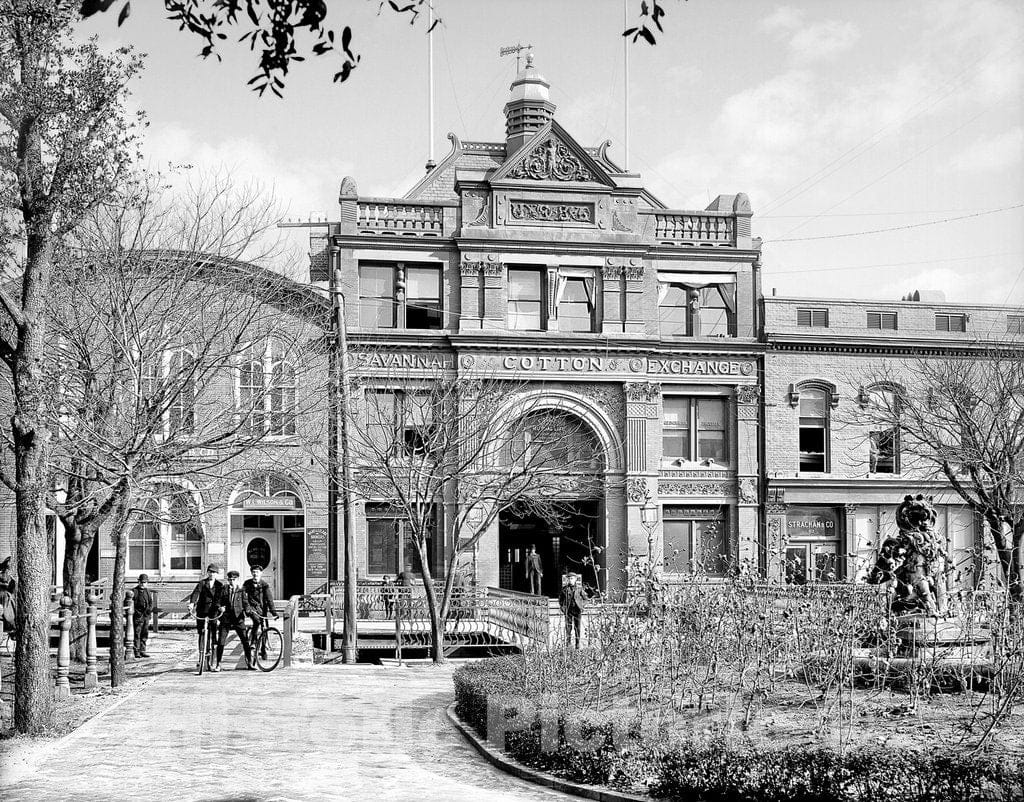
{"x": 91, "y": 677}
{"x": 329, "y": 624}
{"x": 129, "y": 626}
{"x": 287, "y": 631}
{"x": 63, "y": 689}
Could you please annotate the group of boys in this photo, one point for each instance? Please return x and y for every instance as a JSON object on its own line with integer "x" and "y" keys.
{"x": 220, "y": 608}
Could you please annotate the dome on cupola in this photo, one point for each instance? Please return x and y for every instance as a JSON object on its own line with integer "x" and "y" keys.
{"x": 529, "y": 107}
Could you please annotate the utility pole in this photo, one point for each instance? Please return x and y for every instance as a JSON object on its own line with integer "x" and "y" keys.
{"x": 340, "y": 459}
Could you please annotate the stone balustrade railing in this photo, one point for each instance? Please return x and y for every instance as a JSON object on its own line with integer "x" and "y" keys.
{"x": 672, "y": 227}
{"x": 400, "y": 217}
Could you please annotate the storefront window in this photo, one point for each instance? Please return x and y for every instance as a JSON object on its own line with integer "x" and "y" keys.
{"x": 695, "y": 540}
{"x": 813, "y": 548}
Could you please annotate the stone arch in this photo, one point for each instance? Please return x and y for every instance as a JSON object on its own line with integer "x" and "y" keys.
{"x": 299, "y": 486}
{"x": 577, "y": 405}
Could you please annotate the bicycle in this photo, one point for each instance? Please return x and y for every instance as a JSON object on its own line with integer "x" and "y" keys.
{"x": 267, "y": 647}
{"x": 207, "y": 645}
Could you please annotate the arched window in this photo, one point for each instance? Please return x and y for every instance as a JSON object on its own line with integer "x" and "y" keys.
{"x": 554, "y": 440}
{"x": 267, "y": 392}
{"x": 814, "y": 429}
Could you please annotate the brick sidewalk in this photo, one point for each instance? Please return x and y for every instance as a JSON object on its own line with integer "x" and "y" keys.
{"x": 307, "y": 733}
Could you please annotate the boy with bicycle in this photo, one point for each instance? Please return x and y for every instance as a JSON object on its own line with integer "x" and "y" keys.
{"x": 261, "y": 603}
{"x": 205, "y": 603}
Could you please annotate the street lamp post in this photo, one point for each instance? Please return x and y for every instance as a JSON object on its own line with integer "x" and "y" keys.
{"x": 340, "y": 463}
{"x": 649, "y": 520}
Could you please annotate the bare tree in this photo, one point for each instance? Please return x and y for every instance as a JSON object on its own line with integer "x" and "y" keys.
{"x": 65, "y": 140}
{"x": 960, "y": 418}
{"x": 155, "y": 317}
{"x": 473, "y": 447}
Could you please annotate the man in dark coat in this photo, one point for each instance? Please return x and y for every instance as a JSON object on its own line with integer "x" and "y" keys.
{"x": 573, "y": 601}
{"x": 143, "y": 612}
{"x": 8, "y": 586}
{"x": 261, "y": 601}
{"x": 205, "y": 602}
{"x": 534, "y": 570}
{"x": 236, "y": 609}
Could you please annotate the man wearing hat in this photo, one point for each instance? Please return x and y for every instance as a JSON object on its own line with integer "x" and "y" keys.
{"x": 143, "y": 612}
{"x": 8, "y": 585}
{"x": 206, "y": 601}
{"x": 236, "y": 608}
{"x": 573, "y": 601}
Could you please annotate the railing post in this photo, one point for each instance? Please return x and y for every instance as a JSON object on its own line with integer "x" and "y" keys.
{"x": 329, "y": 623}
{"x": 63, "y": 688}
{"x": 399, "y": 607}
{"x": 91, "y": 677}
{"x": 287, "y": 632}
{"x": 129, "y": 626}
{"x": 154, "y": 625}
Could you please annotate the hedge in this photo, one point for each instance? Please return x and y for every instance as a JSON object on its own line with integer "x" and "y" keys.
{"x": 718, "y": 770}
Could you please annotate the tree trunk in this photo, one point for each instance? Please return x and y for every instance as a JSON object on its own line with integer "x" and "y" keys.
{"x": 78, "y": 540}
{"x": 119, "y": 533}
{"x": 436, "y": 622}
{"x": 1008, "y": 551}
{"x": 33, "y": 694}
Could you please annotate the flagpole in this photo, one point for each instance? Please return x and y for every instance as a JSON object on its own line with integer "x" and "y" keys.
{"x": 430, "y": 85}
{"x": 625, "y": 86}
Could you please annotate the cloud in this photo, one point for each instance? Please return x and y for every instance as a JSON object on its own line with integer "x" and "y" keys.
{"x": 784, "y": 18}
{"x": 991, "y": 153}
{"x": 823, "y": 40}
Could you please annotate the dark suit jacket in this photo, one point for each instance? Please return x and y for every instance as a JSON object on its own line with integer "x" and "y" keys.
{"x": 143, "y": 601}
{"x": 534, "y": 564}
{"x": 236, "y": 606}
{"x": 260, "y": 598}
{"x": 573, "y": 599}
{"x": 207, "y": 600}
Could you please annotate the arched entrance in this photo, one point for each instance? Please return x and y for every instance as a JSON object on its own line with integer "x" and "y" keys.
{"x": 268, "y": 529}
{"x": 567, "y": 526}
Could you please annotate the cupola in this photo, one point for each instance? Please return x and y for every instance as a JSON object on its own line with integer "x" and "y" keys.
{"x": 529, "y": 107}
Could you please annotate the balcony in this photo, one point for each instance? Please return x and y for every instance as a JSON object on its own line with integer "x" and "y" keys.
{"x": 402, "y": 218}
{"x": 707, "y": 229}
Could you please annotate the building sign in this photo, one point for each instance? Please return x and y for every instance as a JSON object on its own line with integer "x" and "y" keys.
{"x": 268, "y": 502}
{"x": 316, "y": 555}
{"x": 395, "y": 361}
{"x": 820, "y": 522}
{"x": 533, "y": 211}
{"x": 600, "y": 364}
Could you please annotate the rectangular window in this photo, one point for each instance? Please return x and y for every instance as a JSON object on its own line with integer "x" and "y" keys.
{"x": 1015, "y": 324}
{"x": 144, "y": 546}
{"x": 397, "y": 419}
{"x": 423, "y": 298}
{"x": 882, "y": 320}
{"x": 812, "y": 562}
{"x": 695, "y": 540}
{"x": 674, "y": 317}
{"x": 576, "y": 304}
{"x": 717, "y": 308}
{"x": 695, "y": 305}
{"x": 812, "y": 317}
{"x": 186, "y": 547}
{"x": 695, "y": 430}
{"x": 525, "y": 299}
{"x": 945, "y": 322}
{"x": 404, "y": 296}
{"x": 884, "y": 452}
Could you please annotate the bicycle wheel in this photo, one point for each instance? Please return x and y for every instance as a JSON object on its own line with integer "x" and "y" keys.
{"x": 204, "y": 637}
{"x": 271, "y": 647}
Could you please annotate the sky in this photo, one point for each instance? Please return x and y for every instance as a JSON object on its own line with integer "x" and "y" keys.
{"x": 835, "y": 118}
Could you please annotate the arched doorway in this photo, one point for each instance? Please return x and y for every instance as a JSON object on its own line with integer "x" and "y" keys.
{"x": 268, "y": 529}
{"x": 567, "y": 526}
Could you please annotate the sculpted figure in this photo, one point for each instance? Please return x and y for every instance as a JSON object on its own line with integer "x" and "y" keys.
{"x": 912, "y": 559}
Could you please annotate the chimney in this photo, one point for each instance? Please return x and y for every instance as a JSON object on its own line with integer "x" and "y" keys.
{"x": 528, "y": 109}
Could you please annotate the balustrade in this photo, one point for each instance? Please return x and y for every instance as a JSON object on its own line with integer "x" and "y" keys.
{"x": 384, "y": 217}
{"x": 672, "y": 227}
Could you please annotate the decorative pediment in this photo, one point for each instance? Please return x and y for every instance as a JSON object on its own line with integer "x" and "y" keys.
{"x": 552, "y": 155}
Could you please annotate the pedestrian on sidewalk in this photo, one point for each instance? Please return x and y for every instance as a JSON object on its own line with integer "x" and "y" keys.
{"x": 204, "y": 603}
{"x": 236, "y": 609}
{"x": 573, "y": 601}
{"x": 143, "y": 613}
{"x": 387, "y": 595}
{"x": 261, "y": 602}
{"x": 8, "y": 586}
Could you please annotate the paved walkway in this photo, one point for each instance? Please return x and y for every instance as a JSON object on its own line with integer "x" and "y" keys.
{"x": 307, "y": 733}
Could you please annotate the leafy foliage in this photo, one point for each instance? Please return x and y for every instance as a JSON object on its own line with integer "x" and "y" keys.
{"x": 280, "y": 31}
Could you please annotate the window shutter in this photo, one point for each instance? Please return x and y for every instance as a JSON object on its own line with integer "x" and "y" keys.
{"x": 874, "y": 320}
{"x": 803, "y": 317}
{"x": 819, "y": 317}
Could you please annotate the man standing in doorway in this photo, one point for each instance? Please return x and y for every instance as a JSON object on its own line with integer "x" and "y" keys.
{"x": 534, "y": 570}
{"x": 573, "y": 601}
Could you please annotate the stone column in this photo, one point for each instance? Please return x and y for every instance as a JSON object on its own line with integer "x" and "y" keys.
{"x": 613, "y": 305}
{"x": 642, "y": 404}
{"x": 471, "y": 275}
{"x": 847, "y": 567}
{"x": 775, "y": 547}
{"x": 748, "y": 499}
{"x": 495, "y": 293}
{"x": 632, "y": 272}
